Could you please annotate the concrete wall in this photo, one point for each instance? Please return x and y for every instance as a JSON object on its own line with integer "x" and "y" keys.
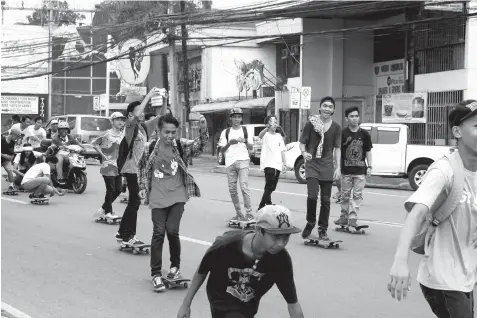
{"x": 471, "y": 59}
{"x": 286, "y": 26}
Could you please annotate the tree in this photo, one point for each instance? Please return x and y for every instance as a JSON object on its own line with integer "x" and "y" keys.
{"x": 41, "y": 16}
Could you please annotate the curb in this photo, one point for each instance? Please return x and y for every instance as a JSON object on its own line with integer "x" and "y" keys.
{"x": 11, "y": 312}
{"x": 290, "y": 175}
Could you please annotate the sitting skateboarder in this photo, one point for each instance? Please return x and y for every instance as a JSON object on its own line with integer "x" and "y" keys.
{"x": 38, "y": 181}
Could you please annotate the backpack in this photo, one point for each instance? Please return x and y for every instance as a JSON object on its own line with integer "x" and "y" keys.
{"x": 179, "y": 148}
{"x": 448, "y": 207}
{"x": 124, "y": 150}
{"x": 245, "y": 133}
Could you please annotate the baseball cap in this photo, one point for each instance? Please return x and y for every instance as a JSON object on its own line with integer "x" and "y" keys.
{"x": 464, "y": 110}
{"x": 117, "y": 115}
{"x": 236, "y": 111}
{"x": 276, "y": 219}
{"x": 54, "y": 121}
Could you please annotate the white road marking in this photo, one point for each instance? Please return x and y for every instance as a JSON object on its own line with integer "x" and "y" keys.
{"x": 392, "y": 224}
{"x": 13, "y": 311}
{"x": 14, "y": 200}
{"x": 304, "y": 195}
{"x": 192, "y": 240}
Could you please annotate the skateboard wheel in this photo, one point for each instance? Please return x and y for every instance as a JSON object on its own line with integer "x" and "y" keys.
{"x": 120, "y": 248}
{"x": 166, "y": 284}
{"x": 337, "y": 246}
{"x": 134, "y": 252}
{"x": 186, "y": 285}
{"x": 306, "y": 243}
{"x": 147, "y": 251}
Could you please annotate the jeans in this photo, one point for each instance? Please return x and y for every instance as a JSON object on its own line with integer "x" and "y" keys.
{"x": 61, "y": 155}
{"x": 127, "y": 229}
{"x": 314, "y": 185}
{"x": 228, "y": 314}
{"x": 239, "y": 171}
{"x": 449, "y": 304}
{"x": 271, "y": 180}
{"x": 113, "y": 190}
{"x": 166, "y": 221}
{"x": 355, "y": 183}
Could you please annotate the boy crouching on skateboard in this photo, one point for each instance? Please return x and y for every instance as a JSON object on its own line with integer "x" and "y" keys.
{"x": 244, "y": 265}
{"x": 38, "y": 181}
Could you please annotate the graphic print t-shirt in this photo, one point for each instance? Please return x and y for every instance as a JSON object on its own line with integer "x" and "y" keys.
{"x": 167, "y": 186}
{"x": 233, "y": 283}
{"x": 354, "y": 146}
{"x": 109, "y": 144}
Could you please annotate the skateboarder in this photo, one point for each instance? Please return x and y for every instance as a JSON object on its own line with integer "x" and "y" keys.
{"x": 108, "y": 147}
{"x": 38, "y": 179}
{"x": 167, "y": 186}
{"x": 235, "y": 144}
{"x": 320, "y": 144}
{"x": 131, "y": 150}
{"x": 244, "y": 265}
{"x": 8, "y": 152}
{"x": 272, "y": 159}
{"x": 447, "y": 273}
{"x": 356, "y": 163}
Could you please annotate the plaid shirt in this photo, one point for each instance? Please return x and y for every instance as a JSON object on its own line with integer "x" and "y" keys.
{"x": 191, "y": 148}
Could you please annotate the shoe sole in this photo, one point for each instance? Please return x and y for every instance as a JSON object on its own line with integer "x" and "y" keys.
{"x": 159, "y": 289}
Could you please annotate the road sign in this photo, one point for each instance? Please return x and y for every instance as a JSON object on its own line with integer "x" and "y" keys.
{"x": 96, "y": 103}
{"x": 295, "y": 97}
{"x": 305, "y": 97}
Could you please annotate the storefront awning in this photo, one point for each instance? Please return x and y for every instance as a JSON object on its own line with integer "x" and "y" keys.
{"x": 224, "y": 106}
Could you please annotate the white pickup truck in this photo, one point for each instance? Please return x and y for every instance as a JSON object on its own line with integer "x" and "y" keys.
{"x": 392, "y": 155}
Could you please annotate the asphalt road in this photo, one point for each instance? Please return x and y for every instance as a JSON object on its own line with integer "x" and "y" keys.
{"x": 56, "y": 262}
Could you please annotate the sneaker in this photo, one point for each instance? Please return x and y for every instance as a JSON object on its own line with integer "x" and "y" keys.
{"x": 111, "y": 215}
{"x": 174, "y": 273}
{"x": 11, "y": 188}
{"x": 353, "y": 223}
{"x": 157, "y": 283}
{"x": 132, "y": 241}
{"x": 307, "y": 230}
{"x": 118, "y": 237}
{"x": 343, "y": 220}
{"x": 237, "y": 218}
{"x": 249, "y": 217}
{"x": 322, "y": 235}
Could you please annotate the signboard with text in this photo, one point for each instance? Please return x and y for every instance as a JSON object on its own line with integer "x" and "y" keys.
{"x": 20, "y": 105}
{"x": 389, "y": 77}
{"x": 306, "y": 97}
{"x": 405, "y": 108}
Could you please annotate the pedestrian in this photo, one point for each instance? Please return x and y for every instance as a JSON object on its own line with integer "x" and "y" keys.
{"x": 168, "y": 186}
{"x": 8, "y": 152}
{"x": 356, "y": 164}
{"x": 244, "y": 265}
{"x": 320, "y": 144}
{"x": 53, "y": 130}
{"x": 24, "y": 161}
{"x": 235, "y": 145}
{"x": 272, "y": 158}
{"x": 38, "y": 179}
{"x": 34, "y": 134}
{"x": 131, "y": 150}
{"x": 108, "y": 147}
{"x": 441, "y": 224}
{"x": 25, "y": 122}
{"x": 62, "y": 140}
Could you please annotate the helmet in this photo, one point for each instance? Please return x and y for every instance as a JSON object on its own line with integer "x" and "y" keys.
{"x": 236, "y": 111}
{"x": 63, "y": 125}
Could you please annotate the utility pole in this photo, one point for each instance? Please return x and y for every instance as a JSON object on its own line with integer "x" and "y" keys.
{"x": 172, "y": 67}
{"x": 50, "y": 63}
{"x": 185, "y": 68}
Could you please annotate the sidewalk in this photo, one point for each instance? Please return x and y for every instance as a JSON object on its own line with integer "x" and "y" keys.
{"x": 209, "y": 163}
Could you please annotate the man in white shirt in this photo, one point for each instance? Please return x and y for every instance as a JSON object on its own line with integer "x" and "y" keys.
{"x": 272, "y": 158}
{"x": 34, "y": 134}
{"x": 447, "y": 274}
{"x": 38, "y": 181}
{"x": 235, "y": 146}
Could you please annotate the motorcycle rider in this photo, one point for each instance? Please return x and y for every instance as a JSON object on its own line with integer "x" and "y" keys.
{"x": 62, "y": 140}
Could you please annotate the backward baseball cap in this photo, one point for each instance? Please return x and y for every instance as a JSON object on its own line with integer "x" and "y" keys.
{"x": 462, "y": 111}
{"x": 276, "y": 219}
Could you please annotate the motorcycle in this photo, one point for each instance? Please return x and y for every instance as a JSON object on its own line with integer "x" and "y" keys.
{"x": 74, "y": 170}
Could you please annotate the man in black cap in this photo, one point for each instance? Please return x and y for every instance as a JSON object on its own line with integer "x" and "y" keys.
{"x": 442, "y": 225}
{"x": 244, "y": 265}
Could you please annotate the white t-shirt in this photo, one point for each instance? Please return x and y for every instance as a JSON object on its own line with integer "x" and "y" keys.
{"x": 31, "y": 132}
{"x": 36, "y": 171}
{"x": 272, "y": 147}
{"x": 442, "y": 267}
{"x": 19, "y": 126}
{"x": 238, "y": 151}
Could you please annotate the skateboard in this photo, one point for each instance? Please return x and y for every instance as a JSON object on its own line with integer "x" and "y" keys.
{"x": 40, "y": 201}
{"x": 136, "y": 249}
{"x": 10, "y": 192}
{"x": 357, "y": 230}
{"x": 99, "y": 218}
{"x": 314, "y": 240}
{"x": 171, "y": 283}
{"x": 242, "y": 224}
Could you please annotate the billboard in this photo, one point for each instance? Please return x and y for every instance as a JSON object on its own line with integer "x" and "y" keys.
{"x": 405, "y": 108}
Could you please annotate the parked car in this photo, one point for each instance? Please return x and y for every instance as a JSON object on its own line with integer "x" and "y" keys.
{"x": 392, "y": 154}
{"x": 85, "y": 128}
{"x": 253, "y": 130}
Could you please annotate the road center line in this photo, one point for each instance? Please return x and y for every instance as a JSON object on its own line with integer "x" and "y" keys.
{"x": 14, "y": 200}
{"x": 304, "y": 195}
{"x": 192, "y": 240}
{"x": 13, "y": 311}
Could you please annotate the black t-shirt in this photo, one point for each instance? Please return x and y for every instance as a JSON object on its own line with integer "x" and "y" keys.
{"x": 8, "y": 148}
{"x": 354, "y": 147}
{"x": 234, "y": 285}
